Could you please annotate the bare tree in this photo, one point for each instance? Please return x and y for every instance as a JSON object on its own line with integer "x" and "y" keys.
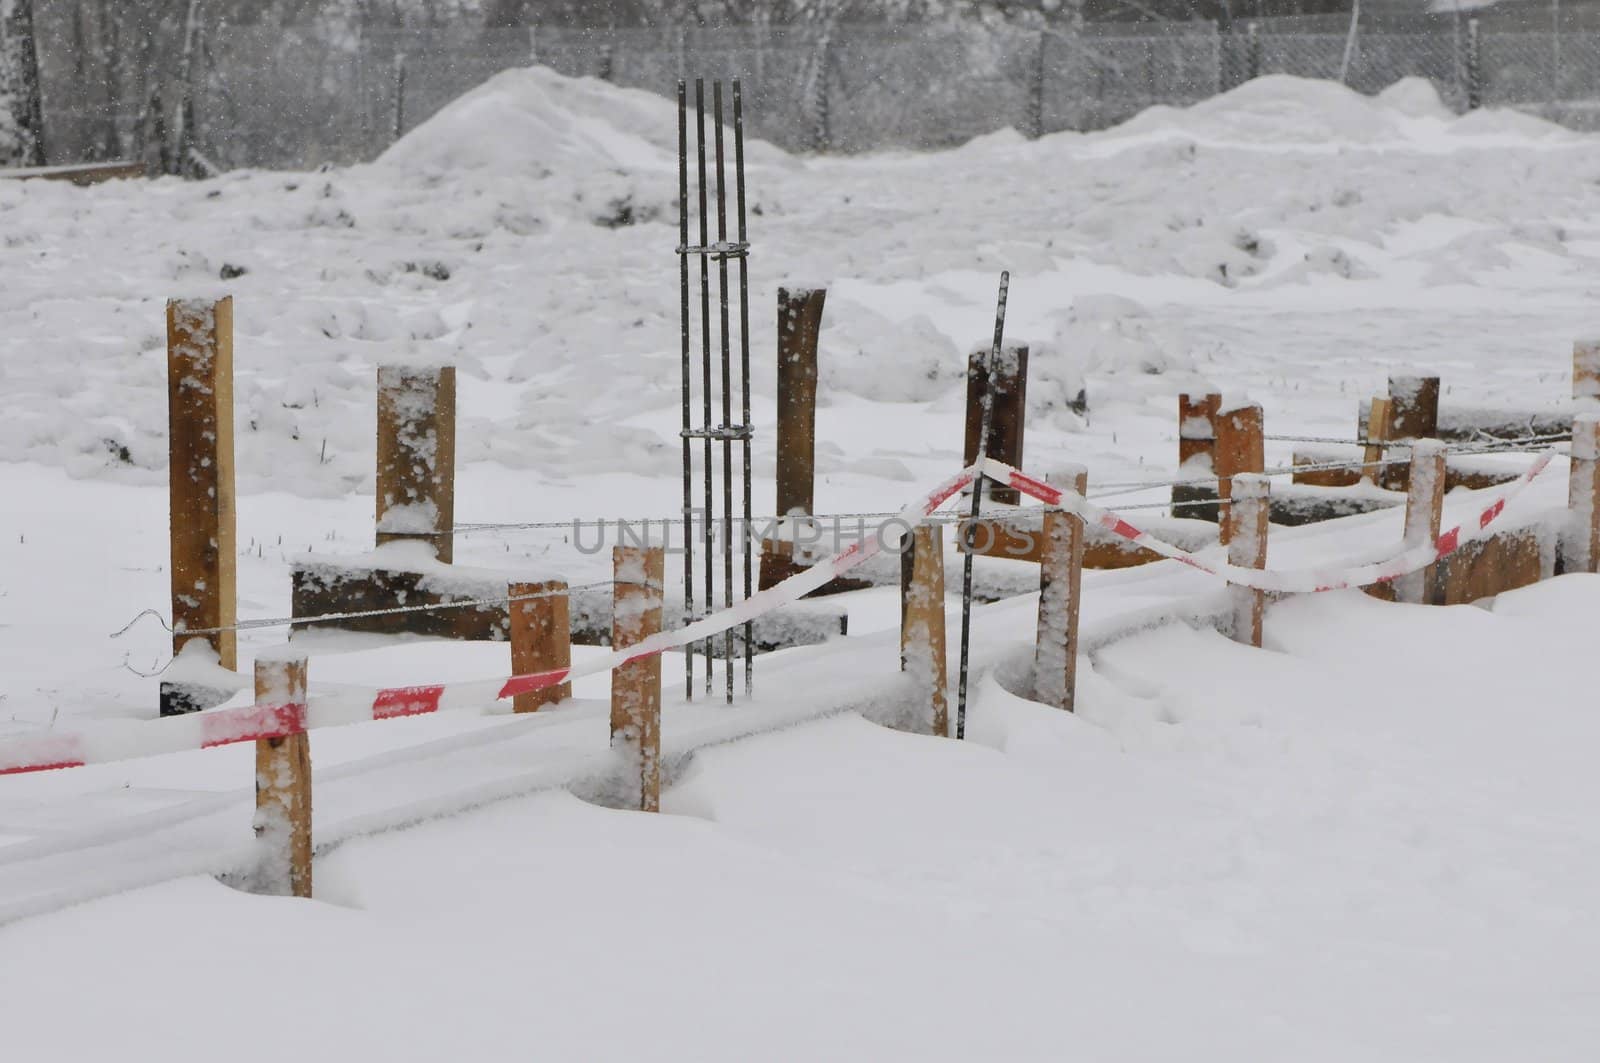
{"x": 21, "y": 105}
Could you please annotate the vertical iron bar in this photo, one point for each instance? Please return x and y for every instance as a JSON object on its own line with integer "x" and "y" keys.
{"x": 744, "y": 366}
{"x": 705, "y": 356}
{"x": 727, "y": 388}
{"x": 984, "y": 421}
{"x": 688, "y": 381}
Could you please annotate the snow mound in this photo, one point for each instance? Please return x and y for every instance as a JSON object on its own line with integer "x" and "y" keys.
{"x": 1415, "y": 97}
{"x": 537, "y": 121}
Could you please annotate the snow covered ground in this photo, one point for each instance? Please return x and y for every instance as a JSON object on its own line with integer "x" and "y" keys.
{"x": 1369, "y": 842}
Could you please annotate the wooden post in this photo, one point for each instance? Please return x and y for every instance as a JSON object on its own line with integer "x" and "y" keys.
{"x": 417, "y": 456}
{"x": 922, "y": 647}
{"x": 200, "y": 482}
{"x": 1247, "y": 548}
{"x": 1197, "y": 445}
{"x": 1009, "y": 413}
{"x": 1240, "y": 449}
{"x": 799, "y": 326}
{"x": 1424, "y": 512}
{"x": 1413, "y": 407}
{"x": 1055, "y": 653}
{"x": 1583, "y": 542}
{"x": 283, "y": 781}
{"x": 1586, "y": 370}
{"x": 1377, "y": 435}
{"x": 541, "y": 639}
{"x": 636, "y": 686}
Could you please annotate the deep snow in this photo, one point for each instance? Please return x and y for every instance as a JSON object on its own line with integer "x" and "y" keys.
{"x": 1329, "y": 850}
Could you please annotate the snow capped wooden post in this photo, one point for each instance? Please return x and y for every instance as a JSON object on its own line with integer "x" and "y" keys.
{"x": 1240, "y": 449}
{"x": 1009, "y": 413}
{"x": 417, "y": 456}
{"x": 799, "y": 327}
{"x": 1413, "y": 414}
{"x": 1583, "y": 542}
{"x": 1586, "y": 371}
{"x": 200, "y": 482}
{"x": 1247, "y": 548}
{"x": 541, "y": 639}
{"x": 283, "y": 781}
{"x": 1055, "y": 653}
{"x": 1197, "y": 445}
{"x": 636, "y": 686}
{"x": 1377, "y": 435}
{"x": 1424, "y": 514}
{"x": 922, "y": 646}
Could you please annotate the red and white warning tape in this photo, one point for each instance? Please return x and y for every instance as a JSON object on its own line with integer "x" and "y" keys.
{"x": 1299, "y": 581}
{"x": 253, "y": 722}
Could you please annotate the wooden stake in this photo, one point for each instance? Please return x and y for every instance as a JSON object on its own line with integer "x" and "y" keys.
{"x": 417, "y": 456}
{"x": 636, "y": 686}
{"x": 283, "y": 782}
{"x": 541, "y": 639}
{"x": 1240, "y": 449}
{"x": 1009, "y": 413}
{"x": 922, "y": 645}
{"x": 1413, "y": 407}
{"x": 799, "y": 327}
{"x": 1377, "y": 434}
{"x": 1055, "y": 653}
{"x": 1424, "y": 513}
{"x": 1197, "y": 445}
{"x": 1247, "y": 548}
{"x": 200, "y": 478}
{"x": 1586, "y": 370}
{"x": 1583, "y": 542}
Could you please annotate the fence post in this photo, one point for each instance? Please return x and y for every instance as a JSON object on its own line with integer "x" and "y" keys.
{"x": 1008, "y": 416}
{"x": 1378, "y": 416}
{"x": 799, "y": 328}
{"x": 541, "y": 639}
{"x": 1240, "y": 449}
{"x": 204, "y": 554}
{"x": 1413, "y": 414}
{"x": 636, "y": 686}
{"x": 922, "y": 645}
{"x": 1252, "y": 52}
{"x": 1583, "y": 495}
{"x": 1197, "y": 445}
{"x": 1055, "y": 654}
{"x": 1474, "y": 67}
{"x": 283, "y": 781}
{"x": 1424, "y": 512}
{"x": 417, "y": 456}
{"x": 822, "y": 132}
{"x": 1035, "y": 122}
{"x": 399, "y": 95}
{"x": 1247, "y": 548}
{"x": 1586, "y": 371}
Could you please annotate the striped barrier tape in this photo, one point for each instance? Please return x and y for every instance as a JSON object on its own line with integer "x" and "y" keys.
{"x": 1299, "y": 581}
{"x": 248, "y": 723}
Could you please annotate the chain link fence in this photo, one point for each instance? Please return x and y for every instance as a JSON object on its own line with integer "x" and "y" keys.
{"x": 283, "y": 98}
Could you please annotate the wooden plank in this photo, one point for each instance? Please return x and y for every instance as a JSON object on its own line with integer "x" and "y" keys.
{"x": 922, "y": 634}
{"x": 1424, "y": 513}
{"x": 417, "y": 456}
{"x": 541, "y": 639}
{"x": 1055, "y": 653}
{"x": 1197, "y": 444}
{"x": 1009, "y": 414}
{"x": 799, "y": 327}
{"x": 283, "y": 783}
{"x": 1248, "y": 509}
{"x": 636, "y": 686}
{"x": 1378, "y": 417}
{"x": 778, "y": 564}
{"x": 1483, "y": 568}
{"x": 1241, "y": 448}
{"x": 204, "y": 542}
{"x": 83, "y": 175}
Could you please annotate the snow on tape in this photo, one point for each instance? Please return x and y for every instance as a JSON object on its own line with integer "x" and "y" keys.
{"x": 1298, "y": 581}
{"x": 252, "y": 722}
